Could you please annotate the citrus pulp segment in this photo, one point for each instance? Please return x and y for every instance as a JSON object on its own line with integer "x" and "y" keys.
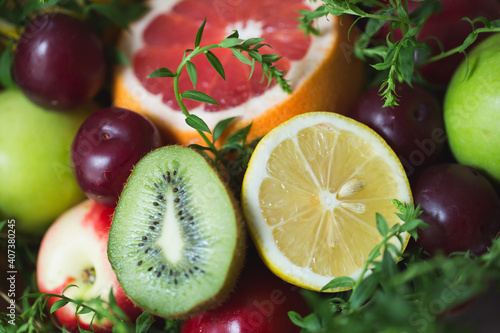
{"x": 311, "y": 193}
{"x": 322, "y": 70}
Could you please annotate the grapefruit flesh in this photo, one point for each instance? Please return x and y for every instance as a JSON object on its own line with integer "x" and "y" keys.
{"x": 321, "y": 69}
{"x": 170, "y": 34}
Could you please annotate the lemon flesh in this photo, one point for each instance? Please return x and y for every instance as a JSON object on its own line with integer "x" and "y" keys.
{"x": 311, "y": 194}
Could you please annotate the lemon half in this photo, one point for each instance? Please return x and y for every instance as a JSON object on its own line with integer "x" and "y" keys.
{"x": 311, "y": 193}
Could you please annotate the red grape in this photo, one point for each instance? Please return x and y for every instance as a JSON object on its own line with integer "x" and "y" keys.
{"x": 105, "y": 149}
{"x": 461, "y": 207}
{"x": 414, "y": 129}
{"x": 59, "y": 62}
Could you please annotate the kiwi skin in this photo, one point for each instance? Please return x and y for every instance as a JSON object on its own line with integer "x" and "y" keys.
{"x": 235, "y": 267}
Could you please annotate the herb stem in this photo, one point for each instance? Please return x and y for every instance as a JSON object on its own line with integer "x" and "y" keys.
{"x": 457, "y": 49}
{"x": 377, "y": 249}
{"x": 178, "y": 95}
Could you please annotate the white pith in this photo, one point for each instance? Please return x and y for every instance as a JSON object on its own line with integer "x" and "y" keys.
{"x": 68, "y": 249}
{"x": 246, "y": 30}
{"x": 171, "y": 239}
{"x": 257, "y": 171}
{"x": 298, "y": 74}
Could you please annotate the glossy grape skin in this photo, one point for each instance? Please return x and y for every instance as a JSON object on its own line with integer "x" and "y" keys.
{"x": 414, "y": 129}
{"x": 461, "y": 207}
{"x": 259, "y": 304}
{"x": 59, "y": 62}
{"x": 106, "y": 148}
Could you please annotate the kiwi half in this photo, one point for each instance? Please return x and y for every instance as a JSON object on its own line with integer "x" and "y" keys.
{"x": 176, "y": 242}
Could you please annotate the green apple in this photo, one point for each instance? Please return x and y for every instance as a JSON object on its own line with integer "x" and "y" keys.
{"x": 472, "y": 109}
{"x": 36, "y": 180}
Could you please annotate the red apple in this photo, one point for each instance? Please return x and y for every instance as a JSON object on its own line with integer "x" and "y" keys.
{"x": 73, "y": 251}
{"x": 260, "y": 303}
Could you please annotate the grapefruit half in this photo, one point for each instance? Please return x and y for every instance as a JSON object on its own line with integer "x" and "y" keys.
{"x": 322, "y": 70}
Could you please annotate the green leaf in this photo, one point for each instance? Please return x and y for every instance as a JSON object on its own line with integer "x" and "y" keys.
{"x": 310, "y": 323}
{"x": 230, "y": 42}
{"x": 198, "y": 147}
{"x": 240, "y": 135}
{"x": 6, "y": 60}
{"x": 382, "y": 225}
{"x": 197, "y": 123}
{"x": 221, "y": 127}
{"x": 69, "y": 286}
{"x": 251, "y": 41}
{"x": 399, "y": 205}
{"x": 255, "y": 55}
{"x": 58, "y": 304}
{"x": 198, "y": 96}
{"x": 234, "y": 34}
{"x": 269, "y": 58}
{"x": 162, "y": 72}
{"x": 471, "y": 38}
{"x": 495, "y": 23}
{"x": 364, "y": 291}
{"x": 144, "y": 322}
{"x": 252, "y": 69}
{"x": 388, "y": 263}
{"x": 237, "y": 53}
{"x": 193, "y": 75}
{"x": 216, "y": 64}
{"x": 23, "y": 328}
{"x": 83, "y": 310}
{"x": 373, "y": 25}
{"x": 407, "y": 62}
{"x": 199, "y": 33}
{"x": 339, "y": 282}
{"x": 412, "y": 227}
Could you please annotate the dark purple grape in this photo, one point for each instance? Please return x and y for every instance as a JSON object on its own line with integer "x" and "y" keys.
{"x": 105, "y": 149}
{"x": 59, "y": 62}
{"x": 461, "y": 207}
{"x": 414, "y": 129}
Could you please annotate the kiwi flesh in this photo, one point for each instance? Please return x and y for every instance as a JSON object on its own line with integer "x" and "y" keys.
{"x": 177, "y": 239}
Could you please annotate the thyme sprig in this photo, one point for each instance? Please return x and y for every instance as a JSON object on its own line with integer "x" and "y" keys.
{"x": 232, "y": 158}
{"x": 33, "y": 318}
{"x": 396, "y": 59}
{"x": 411, "y": 295}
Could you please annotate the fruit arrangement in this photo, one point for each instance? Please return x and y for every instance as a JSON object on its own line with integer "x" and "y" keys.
{"x": 249, "y": 166}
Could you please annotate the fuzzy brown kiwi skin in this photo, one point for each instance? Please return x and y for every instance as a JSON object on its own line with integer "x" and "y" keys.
{"x": 239, "y": 255}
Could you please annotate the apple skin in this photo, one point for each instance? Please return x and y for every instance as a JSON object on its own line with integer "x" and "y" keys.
{"x": 259, "y": 304}
{"x": 37, "y": 182}
{"x": 76, "y": 242}
{"x": 472, "y": 110}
